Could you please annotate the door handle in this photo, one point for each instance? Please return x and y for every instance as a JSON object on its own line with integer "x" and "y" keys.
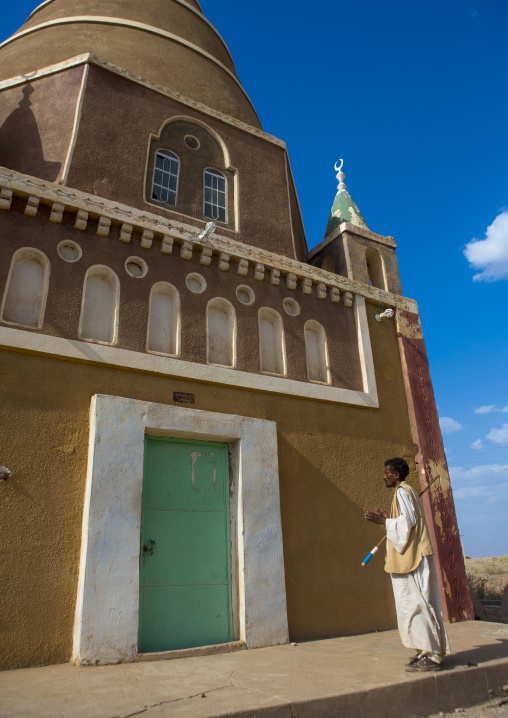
{"x": 148, "y": 550}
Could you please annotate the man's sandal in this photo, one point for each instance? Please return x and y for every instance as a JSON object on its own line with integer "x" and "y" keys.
{"x": 423, "y": 665}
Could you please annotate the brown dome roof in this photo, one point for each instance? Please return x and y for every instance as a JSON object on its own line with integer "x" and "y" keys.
{"x": 167, "y": 42}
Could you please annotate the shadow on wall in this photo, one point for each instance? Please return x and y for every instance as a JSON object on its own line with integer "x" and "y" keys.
{"x": 20, "y": 142}
{"x": 325, "y": 539}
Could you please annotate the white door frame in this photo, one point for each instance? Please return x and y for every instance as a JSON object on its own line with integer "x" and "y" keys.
{"x": 107, "y": 610}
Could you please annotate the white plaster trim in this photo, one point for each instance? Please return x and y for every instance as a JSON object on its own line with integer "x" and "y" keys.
{"x": 292, "y": 179}
{"x": 122, "y": 22}
{"x": 199, "y": 13}
{"x": 365, "y": 350}
{"x": 107, "y": 608}
{"x": 96, "y": 353}
{"x": 77, "y": 118}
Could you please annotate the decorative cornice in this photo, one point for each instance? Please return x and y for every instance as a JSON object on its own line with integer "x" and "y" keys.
{"x": 105, "y": 212}
{"x": 87, "y": 58}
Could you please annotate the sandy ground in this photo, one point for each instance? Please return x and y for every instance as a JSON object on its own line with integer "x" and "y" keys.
{"x": 491, "y": 574}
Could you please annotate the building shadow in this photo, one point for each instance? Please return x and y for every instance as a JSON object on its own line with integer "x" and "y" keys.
{"x": 20, "y": 142}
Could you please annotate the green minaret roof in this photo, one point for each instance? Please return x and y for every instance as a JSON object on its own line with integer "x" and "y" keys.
{"x": 343, "y": 209}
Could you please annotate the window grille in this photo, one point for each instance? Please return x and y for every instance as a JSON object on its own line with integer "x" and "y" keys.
{"x": 165, "y": 177}
{"x": 215, "y": 195}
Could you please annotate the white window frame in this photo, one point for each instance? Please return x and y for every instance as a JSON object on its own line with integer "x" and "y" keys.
{"x": 166, "y": 154}
{"x": 210, "y": 172}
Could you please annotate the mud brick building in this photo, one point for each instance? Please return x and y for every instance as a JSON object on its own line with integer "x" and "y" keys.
{"x": 195, "y": 415}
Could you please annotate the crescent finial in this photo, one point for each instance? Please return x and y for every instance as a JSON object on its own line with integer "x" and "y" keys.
{"x": 338, "y": 169}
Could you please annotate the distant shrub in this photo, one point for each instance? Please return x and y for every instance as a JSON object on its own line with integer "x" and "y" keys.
{"x": 477, "y": 584}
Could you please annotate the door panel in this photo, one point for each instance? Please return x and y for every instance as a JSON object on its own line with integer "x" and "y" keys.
{"x": 205, "y": 620}
{"x": 185, "y": 573}
{"x": 190, "y": 547}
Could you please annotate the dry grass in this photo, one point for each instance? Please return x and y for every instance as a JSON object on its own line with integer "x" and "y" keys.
{"x": 488, "y": 576}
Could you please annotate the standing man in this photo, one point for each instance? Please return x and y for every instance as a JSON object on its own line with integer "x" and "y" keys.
{"x": 410, "y": 563}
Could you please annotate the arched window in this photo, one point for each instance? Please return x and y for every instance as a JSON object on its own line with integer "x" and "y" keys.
{"x": 221, "y": 332}
{"x": 316, "y": 351}
{"x": 215, "y": 192}
{"x": 99, "y": 305}
{"x": 24, "y": 300}
{"x": 375, "y": 268}
{"x": 163, "y": 334}
{"x": 272, "y": 351}
{"x": 165, "y": 177}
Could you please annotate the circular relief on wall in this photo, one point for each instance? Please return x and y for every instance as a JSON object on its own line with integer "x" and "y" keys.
{"x": 291, "y": 307}
{"x": 192, "y": 142}
{"x": 245, "y": 294}
{"x": 196, "y": 283}
{"x": 69, "y": 251}
{"x": 136, "y": 267}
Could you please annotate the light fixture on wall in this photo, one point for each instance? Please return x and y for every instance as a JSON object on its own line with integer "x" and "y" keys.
{"x": 4, "y": 473}
{"x": 210, "y": 227}
{"x": 386, "y": 313}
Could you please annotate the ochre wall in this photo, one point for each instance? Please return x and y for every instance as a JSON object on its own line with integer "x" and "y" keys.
{"x": 330, "y": 463}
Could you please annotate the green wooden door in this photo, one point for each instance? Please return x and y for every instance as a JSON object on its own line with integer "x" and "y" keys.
{"x": 185, "y": 564}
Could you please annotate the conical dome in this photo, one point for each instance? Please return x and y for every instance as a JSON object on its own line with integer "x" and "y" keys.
{"x": 167, "y": 42}
{"x": 344, "y": 208}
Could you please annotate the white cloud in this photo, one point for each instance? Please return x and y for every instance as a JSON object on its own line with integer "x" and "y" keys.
{"x": 490, "y": 255}
{"x": 488, "y": 482}
{"x": 490, "y": 408}
{"x": 499, "y": 436}
{"x": 478, "y": 444}
{"x": 448, "y": 425}
{"x": 485, "y": 409}
{"x": 491, "y": 494}
{"x": 492, "y": 472}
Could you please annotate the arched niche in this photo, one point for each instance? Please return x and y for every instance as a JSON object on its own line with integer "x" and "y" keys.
{"x": 375, "y": 268}
{"x": 99, "y": 305}
{"x": 221, "y": 332}
{"x": 198, "y": 148}
{"x": 272, "y": 349}
{"x": 163, "y": 335}
{"x": 316, "y": 351}
{"x": 26, "y": 291}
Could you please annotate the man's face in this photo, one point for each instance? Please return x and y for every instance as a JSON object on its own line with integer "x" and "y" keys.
{"x": 390, "y": 477}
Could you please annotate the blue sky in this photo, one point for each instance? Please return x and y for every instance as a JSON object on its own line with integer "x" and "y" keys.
{"x": 413, "y": 96}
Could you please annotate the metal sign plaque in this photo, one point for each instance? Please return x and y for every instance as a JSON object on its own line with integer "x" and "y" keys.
{"x": 183, "y": 398}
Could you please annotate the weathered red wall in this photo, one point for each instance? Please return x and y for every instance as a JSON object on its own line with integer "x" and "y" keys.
{"x": 432, "y": 467}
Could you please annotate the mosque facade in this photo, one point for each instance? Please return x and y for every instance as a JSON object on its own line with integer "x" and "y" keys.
{"x": 195, "y": 408}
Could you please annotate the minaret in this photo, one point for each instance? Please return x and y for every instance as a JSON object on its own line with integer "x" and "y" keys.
{"x": 351, "y": 249}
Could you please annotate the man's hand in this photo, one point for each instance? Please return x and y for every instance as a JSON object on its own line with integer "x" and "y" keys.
{"x": 377, "y": 516}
